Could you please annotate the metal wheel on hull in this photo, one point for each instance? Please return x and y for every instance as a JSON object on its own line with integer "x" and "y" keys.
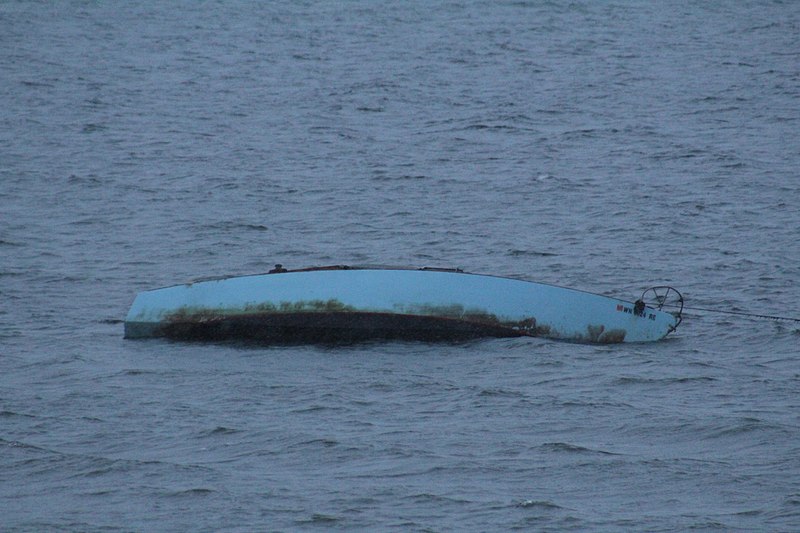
{"x": 663, "y": 296}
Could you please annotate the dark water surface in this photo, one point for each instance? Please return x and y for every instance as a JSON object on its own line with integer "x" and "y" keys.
{"x": 603, "y": 146}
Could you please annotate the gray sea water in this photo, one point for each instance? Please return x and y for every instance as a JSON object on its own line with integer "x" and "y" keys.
{"x": 605, "y": 146}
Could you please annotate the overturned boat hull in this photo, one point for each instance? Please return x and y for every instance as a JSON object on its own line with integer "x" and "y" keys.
{"x": 348, "y": 304}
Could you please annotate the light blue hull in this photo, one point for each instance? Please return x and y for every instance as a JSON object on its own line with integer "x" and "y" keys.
{"x": 333, "y": 304}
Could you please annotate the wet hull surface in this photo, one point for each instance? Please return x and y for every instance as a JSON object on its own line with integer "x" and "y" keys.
{"x": 334, "y": 305}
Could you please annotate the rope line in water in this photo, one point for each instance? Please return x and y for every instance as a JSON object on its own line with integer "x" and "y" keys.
{"x": 738, "y": 313}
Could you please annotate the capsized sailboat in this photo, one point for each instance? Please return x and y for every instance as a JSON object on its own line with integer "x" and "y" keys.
{"x": 338, "y": 304}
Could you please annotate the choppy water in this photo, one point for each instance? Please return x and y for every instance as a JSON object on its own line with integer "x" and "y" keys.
{"x": 603, "y": 146}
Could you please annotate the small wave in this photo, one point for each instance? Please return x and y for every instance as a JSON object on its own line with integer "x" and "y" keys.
{"x": 199, "y": 491}
{"x": 530, "y": 253}
{"x": 220, "y": 430}
{"x": 427, "y": 497}
{"x": 319, "y": 519}
{"x": 91, "y": 128}
{"x": 402, "y": 177}
{"x": 327, "y": 443}
{"x": 234, "y": 226}
{"x": 496, "y": 127}
{"x": 107, "y": 468}
{"x": 9, "y": 334}
{"x": 793, "y": 499}
{"x": 538, "y": 504}
{"x": 101, "y": 492}
{"x": 745, "y": 425}
{"x": 30, "y": 83}
{"x": 11, "y": 414}
{"x": 691, "y": 379}
{"x": 310, "y": 409}
{"x": 593, "y": 404}
{"x": 572, "y": 448}
{"x": 135, "y": 372}
{"x": 751, "y": 512}
{"x": 581, "y": 133}
{"x": 634, "y": 380}
{"x": 23, "y": 446}
{"x": 501, "y": 392}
